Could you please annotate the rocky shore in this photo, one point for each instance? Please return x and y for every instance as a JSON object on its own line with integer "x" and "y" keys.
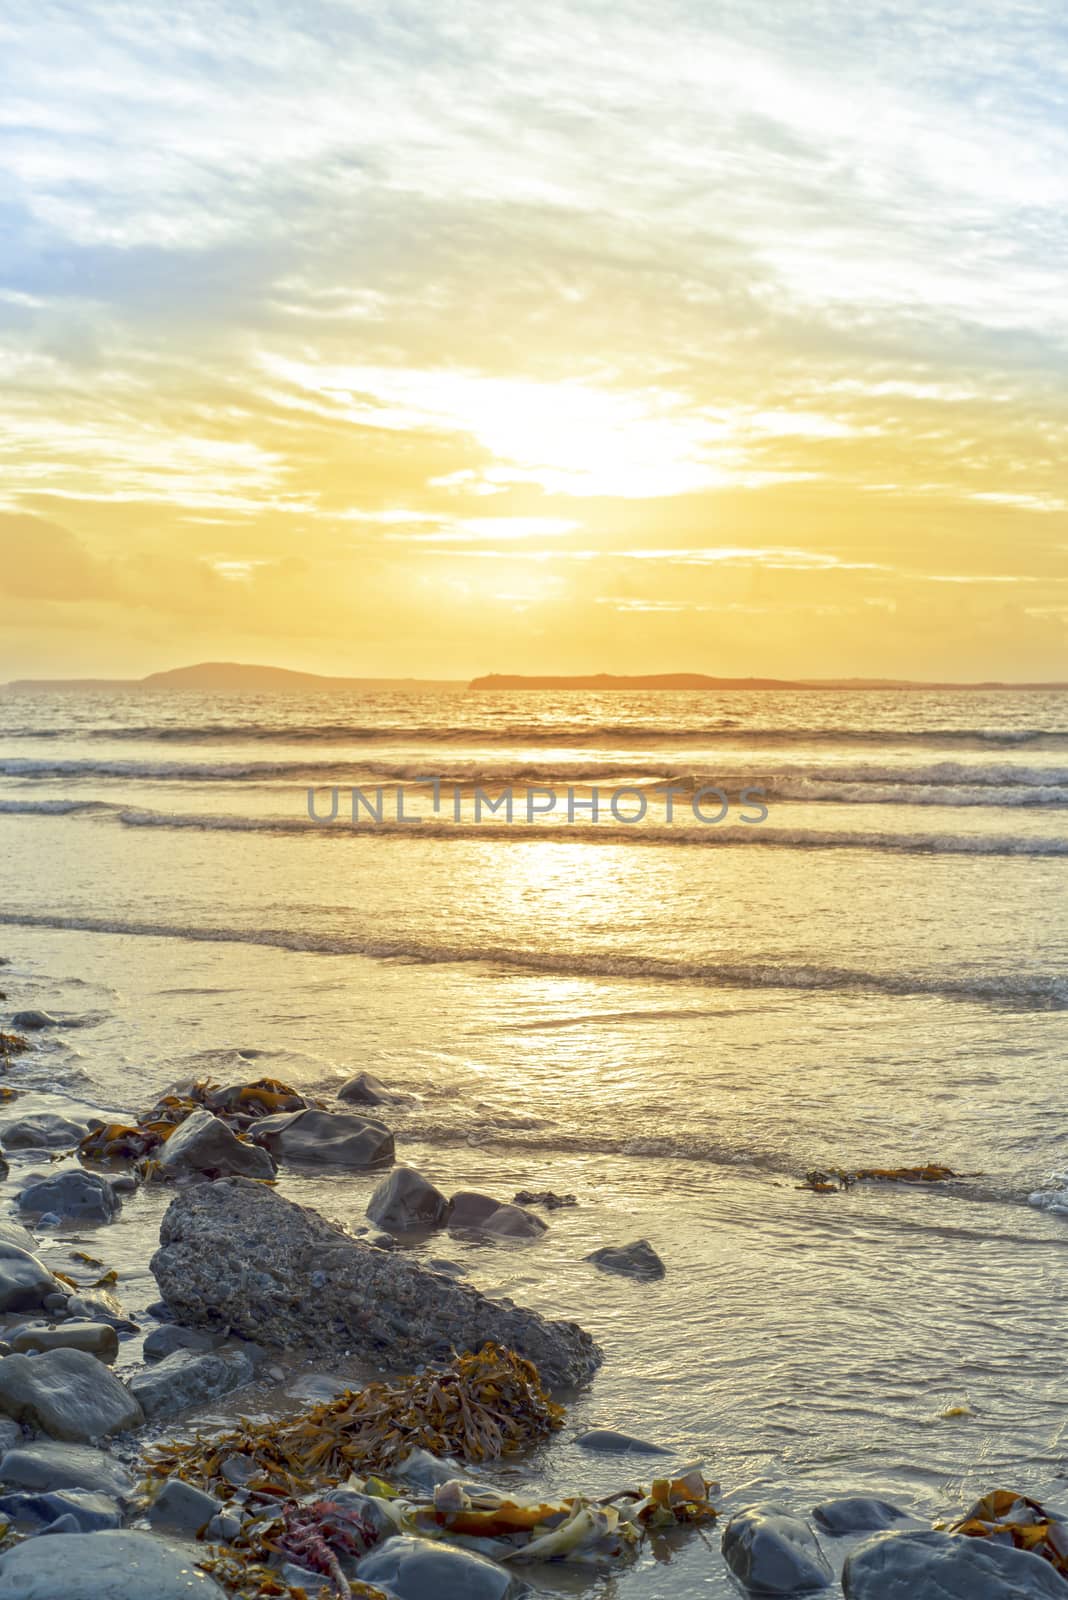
{"x": 393, "y": 1490}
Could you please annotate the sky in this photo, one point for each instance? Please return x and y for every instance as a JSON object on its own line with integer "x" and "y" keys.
{"x": 722, "y": 335}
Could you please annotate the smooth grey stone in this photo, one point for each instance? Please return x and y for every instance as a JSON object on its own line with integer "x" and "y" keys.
{"x": 637, "y": 1260}
{"x": 90, "y": 1510}
{"x": 31, "y": 1021}
{"x": 188, "y": 1378}
{"x": 419, "y": 1569}
{"x": 225, "y": 1526}
{"x": 124, "y": 1183}
{"x": 116, "y": 1564}
{"x": 43, "y": 1132}
{"x": 772, "y": 1552}
{"x": 25, "y": 1282}
{"x": 326, "y": 1138}
{"x": 239, "y": 1255}
{"x": 856, "y": 1513}
{"x": 203, "y": 1143}
{"x": 605, "y": 1441}
{"x": 181, "y": 1508}
{"x": 469, "y": 1209}
{"x": 45, "y": 1464}
{"x": 939, "y": 1566}
{"x": 170, "y": 1337}
{"x": 426, "y": 1470}
{"x": 63, "y": 1524}
{"x": 100, "y": 1307}
{"x": 405, "y": 1201}
{"x": 512, "y": 1222}
{"x": 441, "y": 1264}
{"x": 367, "y": 1506}
{"x": 99, "y": 1338}
{"x": 87, "y": 1197}
{"x": 367, "y": 1090}
{"x": 67, "y": 1394}
{"x": 11, "y": 1435}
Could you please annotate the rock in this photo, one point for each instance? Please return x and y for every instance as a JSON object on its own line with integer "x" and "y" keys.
{"x": 543, "y": 1197}
{"x": 85, "y": 1196}
{"x": 225, "y": 1526}
{"x": 426, "y": 1471}
{"x": 442, "y": 1264}
{"x": 46, "y": 1465}
{"x": 367, "y": 1090}
{"x": 25, "y": 1283}
{"x": 406, "y": 1201}
{"x": 856, "y": 1513}
{"x": 67, "y": 1394}
{"x": 186, "y": 1379}
{"x": 236, "y": 1254}
{"x": 605, "y": 1441}
{"x": 99, "y": 1338}
{"x": 773, "y": 1552}
{"x": 64, "y": 1524}
{"x": 203, "y": 1143}
{"x": 166, "y": 1340}
{"x": 100, "y": 1307}
{"x": 113, "y": 1565}
{"x": 937, "y": 1566}
{"x": 469, "y": 1209}
{"x": 512, "y": 1222}
{"x": 326, "y": 1138}
{"x": 44, "y": 1132}
{"x": 11, "y": 1435}
{"x": 90, "y": 1511}
{"x": 417, "y": 1569}
{"x": 33, "y": 1021}
{"x": 181, "y": 1508}
{"x": 637, "y": 1260}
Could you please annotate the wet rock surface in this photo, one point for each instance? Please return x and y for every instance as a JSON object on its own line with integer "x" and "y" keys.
{"x": 98, "y": 1338}
{"x": 415, "y": 1569}
{"x": 237, "y": 1254}
{"x": 637, "y": 1260}
{"x": 367, "y": 1090}
{"x": 111, "y": 1565}
{"x": 181, "y": 1508}
{"x": 856, "y": 1513}
{"x": 772, "y": 1552}
{"x": 941, "y": 1566}
{"x": 44, "y": 1132}
{"x": 188, "y": 1378}
{"x": 165, "y": 1341}
{"x": 67, "y": 1394}
{"x": 203, "y": 1143}
{"x": 607, "y": 1442}
{"x": 25, "y": 1282}
{"x": 34, "y": 1021}
{"x": 406, "y": 1201}
{"x": 45, "y": 1464}
{"x": 89, "y": 1510}
{"x": 81, "y": 1196}
{"x": 326, "y": 1138}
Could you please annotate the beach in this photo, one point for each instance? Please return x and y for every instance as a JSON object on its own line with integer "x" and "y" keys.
{"x": 673, "y": 1020}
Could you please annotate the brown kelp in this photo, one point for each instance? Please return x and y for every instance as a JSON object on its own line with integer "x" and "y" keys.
{"x": 478, "y": 1407}
{"x": 238, "y": 1105}
{"x": 835, "y": 1180}
{"x": 1006, "y": 1516}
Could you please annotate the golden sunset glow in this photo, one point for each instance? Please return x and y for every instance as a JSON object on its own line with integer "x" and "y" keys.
{"x": 427, "y": 343}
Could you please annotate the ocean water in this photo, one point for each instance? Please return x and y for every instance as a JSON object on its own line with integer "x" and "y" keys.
{"x": 673, "y": 1019}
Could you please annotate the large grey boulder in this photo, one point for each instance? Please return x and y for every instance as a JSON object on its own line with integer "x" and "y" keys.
{"x": 326, "y": 1138}
{"x": 84, "y": 1196}
{"x": 771, "y": 1552}
{"x": 112, "y": 1565}
{"x": 469, "y": 1209}
{"x": 236, "y": 1254}
{"x": 99, "y": 1338}
{"x": 189, "y": 1378}
{"x": 512, "y": 1222}
{"x": 203, "y": 1143}
{"x": 939, "y": 1566}
{"x": 367, "y": 1090}
{"x": 44, "y": 1132}
{"x": 406, "y": 1201}
{"x": 67, "y": 1394}
{"x": 418, "y": 1569}
{"x": 637, "y": 1260}
{"x": 45, "y": 1464}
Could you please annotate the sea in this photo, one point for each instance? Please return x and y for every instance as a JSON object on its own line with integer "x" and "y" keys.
{"x": 672, "y": 1014}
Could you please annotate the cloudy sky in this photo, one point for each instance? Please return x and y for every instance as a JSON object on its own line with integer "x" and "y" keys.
{"x": 724, "y": 335}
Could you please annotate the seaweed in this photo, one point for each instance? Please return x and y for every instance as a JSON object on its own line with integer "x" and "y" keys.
{"x": 137, "y": 1143}
{"x": 1004, "y": 1515}
{"x": 835, "y": 1180}
{"x": 478, "y": 1407}
{"x": 13, "y": 1044}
